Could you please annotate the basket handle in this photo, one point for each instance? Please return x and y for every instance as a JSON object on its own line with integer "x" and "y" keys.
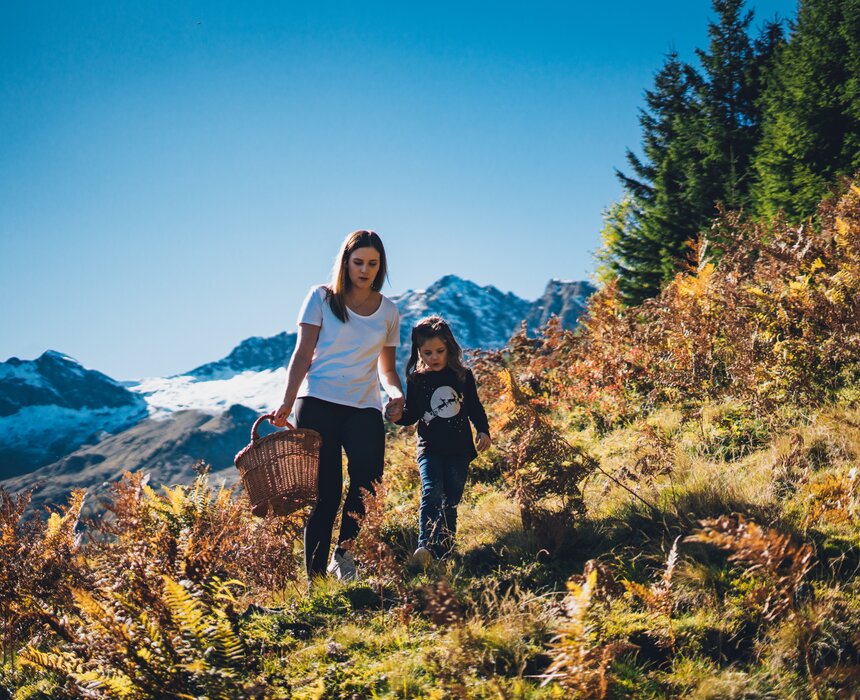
{"x": 254, "y": 434}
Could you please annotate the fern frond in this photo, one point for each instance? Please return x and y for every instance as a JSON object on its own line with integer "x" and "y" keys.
{"x": 221, "y": 590}
{"x": 767, "y": 552}
{"x": 60, "y": 531}
{"x": 185, "y": 609}
{"x": 54, "y": 660}
{"x": 117, "y": 685}
{"x": 115, "y": 631}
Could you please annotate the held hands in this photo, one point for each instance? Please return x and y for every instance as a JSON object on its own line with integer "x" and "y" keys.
{"x": 394, "y": 408}
{"x": 482, "y": 442}
{"x": 281, "y": 417}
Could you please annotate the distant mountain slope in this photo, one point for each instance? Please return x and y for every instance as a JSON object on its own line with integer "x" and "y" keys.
{"x": 567, "y": 300}
{"x": 253, "y": 354}
{"x": 166, "y": 448}
{"x": 52, "y": 405}
{"x": 481, "y": 317}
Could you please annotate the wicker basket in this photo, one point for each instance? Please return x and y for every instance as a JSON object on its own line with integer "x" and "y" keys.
{"x": 280, "y": 471}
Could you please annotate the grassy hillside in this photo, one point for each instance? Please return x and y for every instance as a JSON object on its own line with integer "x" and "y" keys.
{"x": 671, "y": 509}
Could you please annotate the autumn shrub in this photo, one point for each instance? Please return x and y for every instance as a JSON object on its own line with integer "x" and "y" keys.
{"x": 194, "y": 532}
{"x": 42, "y": 562}
{"x": 146, "y": 600}
{"x": 582, "y": 653}
{"x": 179, "y": 637}
{"x": 544, "y": 471}
{"x": 776, "y": 319}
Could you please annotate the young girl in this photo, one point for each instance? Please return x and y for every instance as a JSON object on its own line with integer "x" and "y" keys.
{"x": 442, "y": 398}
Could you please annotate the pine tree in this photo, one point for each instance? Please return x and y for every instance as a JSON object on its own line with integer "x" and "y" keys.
{"x": 699, "y": 134}
{"x": 628, "y": 255}
{"x": 811, "y": 131}
{"x": 652, "y": 223}
{"x": 729, "y": 115}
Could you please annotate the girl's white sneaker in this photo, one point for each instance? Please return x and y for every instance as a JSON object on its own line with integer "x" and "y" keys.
{"x": 423, "y": 557}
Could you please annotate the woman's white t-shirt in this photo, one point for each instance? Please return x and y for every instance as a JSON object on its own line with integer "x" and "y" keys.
{"x": 343, "y": 369}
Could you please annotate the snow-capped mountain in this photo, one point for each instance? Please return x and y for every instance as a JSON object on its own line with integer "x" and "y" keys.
{"x": 71, "y": 421}
{"x": 168, "y": 449}
{"x": 254, "y": 354}
{"x": 480, "y": 317}
{"x": 52, "y": 405}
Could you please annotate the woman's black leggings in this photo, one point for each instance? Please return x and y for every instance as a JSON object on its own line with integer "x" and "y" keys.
{"x": 361, "y": 434}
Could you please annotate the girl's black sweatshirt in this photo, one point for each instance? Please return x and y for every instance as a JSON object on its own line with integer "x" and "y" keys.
{"x": 442, "y": 406}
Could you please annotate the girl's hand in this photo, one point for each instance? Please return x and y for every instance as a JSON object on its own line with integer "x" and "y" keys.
{"x": 281, "y": 416}
{"x": 483, "y": 442}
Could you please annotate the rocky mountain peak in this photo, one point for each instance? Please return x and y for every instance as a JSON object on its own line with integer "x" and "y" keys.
{"x": 252, "y": 354}
{"x": 55, "y": 379}
{"x": 565, "y": 299}
{"x": 52, "y": 405}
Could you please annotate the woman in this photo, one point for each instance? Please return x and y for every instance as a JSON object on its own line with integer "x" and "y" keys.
{"x": 348, "y": 334}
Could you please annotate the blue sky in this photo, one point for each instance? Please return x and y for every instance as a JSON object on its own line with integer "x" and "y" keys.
{"x": 175, "y": 175}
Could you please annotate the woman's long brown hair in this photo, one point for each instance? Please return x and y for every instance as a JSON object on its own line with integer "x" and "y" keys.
{"x": 340, "y": 282}
{"x": 435, "y": 327}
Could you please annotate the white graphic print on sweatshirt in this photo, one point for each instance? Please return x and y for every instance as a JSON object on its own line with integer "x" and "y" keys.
{"x": 445, "y": 403}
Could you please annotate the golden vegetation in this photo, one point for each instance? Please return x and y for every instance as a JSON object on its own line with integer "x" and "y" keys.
{"x": 696, "y": 458}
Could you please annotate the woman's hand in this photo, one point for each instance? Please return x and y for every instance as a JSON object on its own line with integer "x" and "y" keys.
{"x": 394, "y": 408}
{"x": 483, "y": 442}
{"x": 390, "y": 383}
{"x": 281, "y": 417}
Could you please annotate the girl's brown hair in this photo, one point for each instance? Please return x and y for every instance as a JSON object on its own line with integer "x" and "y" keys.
{"x": 427, "y": 329}
{"x": 340, "y": 282}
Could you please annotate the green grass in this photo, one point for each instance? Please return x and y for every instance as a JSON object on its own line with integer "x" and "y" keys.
{"x": 796, "y": 472}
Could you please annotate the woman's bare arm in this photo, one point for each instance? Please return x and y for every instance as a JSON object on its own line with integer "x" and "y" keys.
{"x": 387, "y": 368}
{"x": 300, "y": 362}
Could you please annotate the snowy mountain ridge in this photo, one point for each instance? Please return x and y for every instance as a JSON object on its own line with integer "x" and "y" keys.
{"x": 252, "y": 354}
{"x": 481, "y": 317}
{"x": 52, "y": 407}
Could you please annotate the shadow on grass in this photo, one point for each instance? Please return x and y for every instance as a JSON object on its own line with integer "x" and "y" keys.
{"x": 634, "y": 537}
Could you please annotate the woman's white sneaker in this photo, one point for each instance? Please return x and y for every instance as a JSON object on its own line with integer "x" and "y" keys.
{"x": 342, "y": 566}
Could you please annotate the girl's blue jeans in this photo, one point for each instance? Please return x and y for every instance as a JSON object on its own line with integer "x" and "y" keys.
{"x": 443, "y": 479}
